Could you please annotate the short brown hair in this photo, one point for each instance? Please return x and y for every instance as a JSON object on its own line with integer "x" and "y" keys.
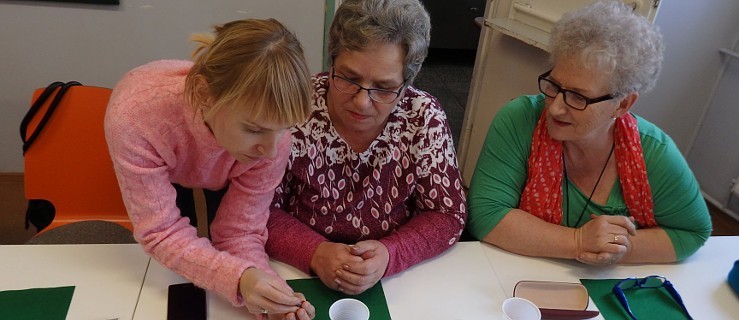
{"x": 257, "y": 65}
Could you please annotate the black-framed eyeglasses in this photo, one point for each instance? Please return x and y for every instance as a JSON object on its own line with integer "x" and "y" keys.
{"x": 650, "y": 282}
{"x": 572, "y": 98}
{"x": 347, "y": 86}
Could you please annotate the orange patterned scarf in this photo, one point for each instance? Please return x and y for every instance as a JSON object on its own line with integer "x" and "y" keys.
{"x": 542, "y": 196}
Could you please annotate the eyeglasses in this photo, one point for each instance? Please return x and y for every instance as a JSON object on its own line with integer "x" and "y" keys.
{"x": 650, "y": 282}
{"x": 347, "y": 86}
{"x": 573, "y": 99}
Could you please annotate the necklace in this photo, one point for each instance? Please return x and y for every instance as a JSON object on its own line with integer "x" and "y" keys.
{"x": 567, "y": 187}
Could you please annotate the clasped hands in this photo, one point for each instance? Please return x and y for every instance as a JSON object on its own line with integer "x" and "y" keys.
{"x": 351, "y": 269}
{"x": 604, "y": 240}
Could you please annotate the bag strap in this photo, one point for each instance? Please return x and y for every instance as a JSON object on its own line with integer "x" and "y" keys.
{"x": 28, "y": 140}
{"x": 36, "y": 106}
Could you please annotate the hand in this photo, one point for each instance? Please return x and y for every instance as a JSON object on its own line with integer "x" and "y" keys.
{"x": 605, "y": 240}
{"x": 328, "y": 258}
{"x": 262, "y": 291}
{"x": 305, "y": 312}
{"x": 356, "y": 277}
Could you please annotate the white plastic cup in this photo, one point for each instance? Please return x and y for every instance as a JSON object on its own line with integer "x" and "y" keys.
{"x": 520, "y": 309}
{"x": 348, "y": 309}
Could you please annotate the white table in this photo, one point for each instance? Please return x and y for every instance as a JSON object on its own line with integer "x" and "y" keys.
{"x": 459, "y": 284}
{"x": 470, "y": 281}
{"x": 153, "y": 297}
{"x": 107, "y": 278}
{"x": 700, "y": 279}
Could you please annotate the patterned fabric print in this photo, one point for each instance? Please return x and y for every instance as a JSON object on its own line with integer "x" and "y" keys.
{"x": 348, "y": 196}
{"x": 542, "y": 195}
{"x": 632, "y": 171}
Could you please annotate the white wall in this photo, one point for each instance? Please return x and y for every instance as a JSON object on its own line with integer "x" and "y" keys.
{"x": 693, "y": 32}
{"x": 714, "y": 155}
{"x": 695, "y": 98}
{"x": 44, "y": 42}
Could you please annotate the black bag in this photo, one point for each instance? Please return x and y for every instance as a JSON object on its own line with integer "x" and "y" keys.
{"x": 41, "y": 212}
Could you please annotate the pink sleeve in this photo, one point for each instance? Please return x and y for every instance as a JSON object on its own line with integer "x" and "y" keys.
{"x": 240, "y": 226}
{"x": 165, "y": 235}
{"x": 291, "y": 241}
{"x": 425, "y": 236}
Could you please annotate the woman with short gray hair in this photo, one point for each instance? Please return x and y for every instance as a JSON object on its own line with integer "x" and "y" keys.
{"x": 359, "y": 25}
{"x": 608, "y": 37}
{"x": 372, "y": 186}
{"x": 572, "y": 173}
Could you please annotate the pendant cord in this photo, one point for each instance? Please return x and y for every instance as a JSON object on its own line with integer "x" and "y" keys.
{"x": 567, "y": 187}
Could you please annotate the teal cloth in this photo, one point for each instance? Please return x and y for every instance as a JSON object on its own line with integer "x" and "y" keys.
{"x": 734, "y": 277}
{"x": 37, "y": 303}
{"x": 645, "y": 303}
{"x": 322, "y": 297}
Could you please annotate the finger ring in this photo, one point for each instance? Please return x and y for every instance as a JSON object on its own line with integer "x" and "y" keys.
{"x": 264, "y": 311}
{"x": 615, "y": 239}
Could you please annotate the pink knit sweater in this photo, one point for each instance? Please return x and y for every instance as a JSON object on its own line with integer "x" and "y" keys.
{"x": 155, "y": 139}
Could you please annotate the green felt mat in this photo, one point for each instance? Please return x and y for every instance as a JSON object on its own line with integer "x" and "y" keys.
{"x": 322, "y": 297}
{"x": 645, "y": 303}
{"x": 37, "y": 303}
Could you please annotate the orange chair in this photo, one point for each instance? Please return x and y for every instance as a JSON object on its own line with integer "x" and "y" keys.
{"x": 68, "y": 163}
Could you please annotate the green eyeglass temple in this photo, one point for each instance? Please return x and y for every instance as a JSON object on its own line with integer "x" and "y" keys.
{"x": 640, "y": 283}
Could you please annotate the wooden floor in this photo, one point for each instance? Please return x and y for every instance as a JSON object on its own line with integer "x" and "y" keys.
{"x": 13, "y": 210}
{"x": 723, "y": 225}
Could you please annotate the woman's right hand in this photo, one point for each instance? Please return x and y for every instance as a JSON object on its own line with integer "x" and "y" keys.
{"x": 262, "y": 291}
{"x": 306, "y": 312}
{"x": 329, "y": 257}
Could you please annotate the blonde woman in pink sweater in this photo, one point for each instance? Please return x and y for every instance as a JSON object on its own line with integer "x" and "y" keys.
{"x": 218, "y": 124}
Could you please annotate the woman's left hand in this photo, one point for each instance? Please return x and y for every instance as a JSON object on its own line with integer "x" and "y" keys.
{"x": 605, "y": 240}
{"x": 607, "y": 258}
{"x": 355, "y": 278}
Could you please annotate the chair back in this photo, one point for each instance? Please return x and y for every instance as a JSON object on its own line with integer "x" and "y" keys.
{"x": 68, "y": 164}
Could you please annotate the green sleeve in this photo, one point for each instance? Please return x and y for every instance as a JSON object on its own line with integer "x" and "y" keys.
{"x": 679, "y": 207}
{"x": 501, "y": 170}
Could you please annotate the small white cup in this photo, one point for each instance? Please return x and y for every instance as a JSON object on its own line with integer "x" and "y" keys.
{"x": 520, "y": 309}
{"x": 348, "y": 309}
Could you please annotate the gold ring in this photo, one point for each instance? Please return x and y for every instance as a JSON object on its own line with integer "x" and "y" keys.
{"x": 615, "y": 239}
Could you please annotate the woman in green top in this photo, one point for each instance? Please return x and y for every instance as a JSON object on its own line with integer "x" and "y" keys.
{"x": 571, "y": 173}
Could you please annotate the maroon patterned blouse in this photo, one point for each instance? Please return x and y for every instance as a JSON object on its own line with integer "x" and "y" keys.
{"x": 405, "y": 190}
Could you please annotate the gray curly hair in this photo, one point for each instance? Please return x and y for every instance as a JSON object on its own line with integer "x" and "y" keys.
{"x": 359, "y": 24}
{"x": 607, "y": 35}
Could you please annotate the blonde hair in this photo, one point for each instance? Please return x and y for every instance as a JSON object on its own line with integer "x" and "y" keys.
{"x": 254, "y": 65}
